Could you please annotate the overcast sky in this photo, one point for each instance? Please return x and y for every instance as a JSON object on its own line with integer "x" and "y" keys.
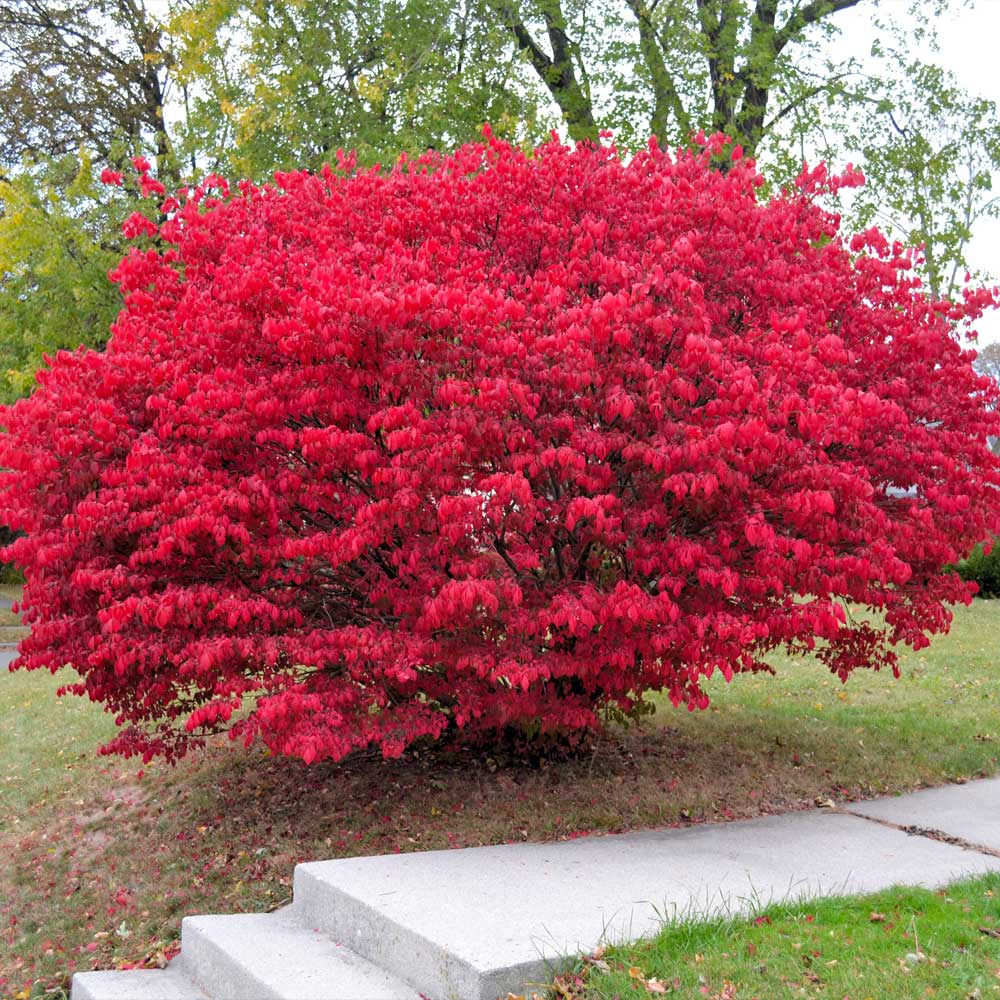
{"x": 970, "y": 47}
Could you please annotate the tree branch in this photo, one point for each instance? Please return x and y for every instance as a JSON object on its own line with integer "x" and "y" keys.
{"x": 665, "y": 96}
{"x": 555, "y": 71}
{"x": 802, "y": 17}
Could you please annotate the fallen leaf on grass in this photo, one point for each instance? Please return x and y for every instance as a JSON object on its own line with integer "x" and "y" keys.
{"x": 876, "y": 918}
{"x": 655, "y": 986}
{"x": 993, "y": 932}
{"x": 156, "y": 957}
{"x": 568, "y": 987}
{"x": 634, "y": 972}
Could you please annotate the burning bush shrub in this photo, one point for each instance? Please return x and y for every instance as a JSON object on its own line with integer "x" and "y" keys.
{"x": 491, "y": 441}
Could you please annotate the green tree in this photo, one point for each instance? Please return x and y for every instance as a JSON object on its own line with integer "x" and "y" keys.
{"x": 292, "y": 83}
{"x": 930, "y": 151}
{"x": 56, "y": 246}
{"x": 82, "y": 73}
{"x": 85, "y": 84}
{"x": 680, "y": 65}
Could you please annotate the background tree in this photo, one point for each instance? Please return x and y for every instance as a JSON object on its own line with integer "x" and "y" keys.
{"x": 75, "y": 73}
{"x": 718, "y": 65}
{"x": 84, "y": 85}
{"x": 295, "y": 82}
{"x": 247, "y": 86}
{"x": 930, "y": 150}
{"x": 988, "y": 362}
{"x": 57, "y": 243}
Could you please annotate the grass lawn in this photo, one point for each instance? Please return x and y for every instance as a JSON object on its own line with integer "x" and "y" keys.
{"x": 902, "y": 943}
{"x": 100, "y": 860}
{"x": 10, "y": 624}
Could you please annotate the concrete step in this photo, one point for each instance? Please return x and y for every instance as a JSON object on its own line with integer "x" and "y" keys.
{"x": 271, "y": 956}
{"x": 144, "y": 984}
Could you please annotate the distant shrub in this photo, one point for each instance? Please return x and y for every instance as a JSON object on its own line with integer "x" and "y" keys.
{"x": 490, "y": 443}
{"x": 10, "y": 573}
{"x": 983, "y": 569}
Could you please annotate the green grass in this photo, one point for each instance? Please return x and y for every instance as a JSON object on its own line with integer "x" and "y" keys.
{"x": 222, "y": 831}
{"x": 894, "y": 945}
{"x": 10, "y": 624}
{"x": 46, "y": 745}
{"x": 939, "y": 722}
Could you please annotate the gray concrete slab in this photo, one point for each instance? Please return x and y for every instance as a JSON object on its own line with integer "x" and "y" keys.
{"x": 137, "y": 984}
{"x": 970, "y": 812}
{"x": 269, "y": 956}
{"x": 473, "y": 924}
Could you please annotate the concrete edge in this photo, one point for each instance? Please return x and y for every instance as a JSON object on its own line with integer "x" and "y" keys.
{"x": 172, "y": 983}
{"x": 426, "y": 966}
{"x": 81, "y": 983}
{"x": 519, "y": 979}
{"x": 212, "y": 968}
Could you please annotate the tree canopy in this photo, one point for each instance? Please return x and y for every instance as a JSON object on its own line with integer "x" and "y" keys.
{"x": 82, "y": 74}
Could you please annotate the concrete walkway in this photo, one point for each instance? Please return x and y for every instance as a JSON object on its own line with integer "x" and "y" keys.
{"x": 479, "y": 923}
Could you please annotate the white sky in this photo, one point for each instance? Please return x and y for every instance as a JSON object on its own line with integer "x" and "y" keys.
{"x": 969, "y": 39}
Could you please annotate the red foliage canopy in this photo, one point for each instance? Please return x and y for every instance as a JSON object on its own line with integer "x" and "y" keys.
{"x": 489, "y": 441}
